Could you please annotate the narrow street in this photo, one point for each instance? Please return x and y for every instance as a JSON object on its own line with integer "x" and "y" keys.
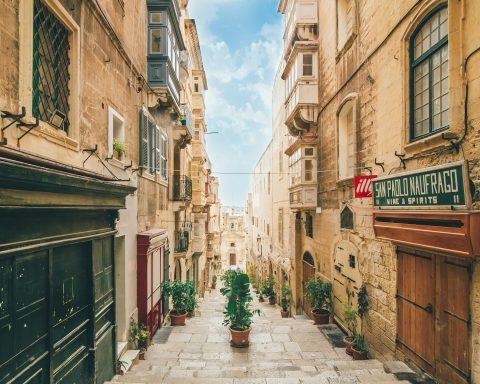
{"x": 282, "y": 351}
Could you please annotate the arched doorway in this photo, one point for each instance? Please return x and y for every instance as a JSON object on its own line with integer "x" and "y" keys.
{"x": 308, "y": 267}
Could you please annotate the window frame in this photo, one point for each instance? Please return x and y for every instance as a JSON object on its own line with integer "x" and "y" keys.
{"x": 114, "y": 114}
{"x": 353, "y": 101}
{"x": 414, "y": 63}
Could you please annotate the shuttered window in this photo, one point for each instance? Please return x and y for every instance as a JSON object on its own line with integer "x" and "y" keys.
{"x": 153, "y": 146}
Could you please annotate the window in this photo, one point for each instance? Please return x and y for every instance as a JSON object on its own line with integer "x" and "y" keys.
{"x": 269, "y": 183}
{"x": 302, "y": 166}
{"x": 346, "y": 142}
{"x": 155, "y": 40}
{"x": 429, "y": 84}
{"x": 346, "y": 218}
{"x": 232, "y": 244}
{"x": 155, "y": 17}
{"x": 51, "y": 60}
{"x": 153, "y": 146}
{"x": 307, "y": 64}
{"x": 268, "y": 229}
{"x": 309, "y": 225}
{"x": 196, "y": 87}
{"x": 344, "y": 21}
{"x": 116, "y": 129}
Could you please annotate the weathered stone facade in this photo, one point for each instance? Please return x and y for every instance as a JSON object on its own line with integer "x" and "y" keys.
{"x": 368, "y": 71}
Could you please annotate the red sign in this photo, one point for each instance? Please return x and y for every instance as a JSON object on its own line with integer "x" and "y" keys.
{"x": 363, "y": 186}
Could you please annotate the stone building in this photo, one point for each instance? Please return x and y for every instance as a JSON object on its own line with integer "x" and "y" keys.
{"x": 97, "y": 101}
{"x": 233, "y": 238}
{"x": 388, "y": 90}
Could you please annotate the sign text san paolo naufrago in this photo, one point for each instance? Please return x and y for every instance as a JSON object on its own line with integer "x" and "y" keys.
{"x": 440, "y": 186}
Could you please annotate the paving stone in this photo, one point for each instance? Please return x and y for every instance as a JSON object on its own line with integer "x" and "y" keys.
{"x": 281, "y": 351}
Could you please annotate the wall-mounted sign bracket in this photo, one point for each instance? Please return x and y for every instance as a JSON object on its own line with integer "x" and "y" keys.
{"x": 382, "y": 164}
{"x": 403, "y": 164}
{"x": 30, "y": 126}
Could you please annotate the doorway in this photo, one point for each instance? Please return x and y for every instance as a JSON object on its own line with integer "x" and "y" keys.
{"x": 433, "y": 295}
{"x": 233, "y": 259}
{"x": 308, "y": 266}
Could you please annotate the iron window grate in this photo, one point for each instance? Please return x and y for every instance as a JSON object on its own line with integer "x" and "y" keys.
{"x": 51, "y": 62}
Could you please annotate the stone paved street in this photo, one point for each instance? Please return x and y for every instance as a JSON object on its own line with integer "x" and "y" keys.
{"x": 282, "y": 351}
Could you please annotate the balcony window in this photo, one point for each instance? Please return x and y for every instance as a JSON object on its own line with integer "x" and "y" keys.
{"x": 344, "y": 21}
{"x": 302, "y": 166}
{"x": 155, "y": 17}
{"x": 155, "y": 41}
{"x": 307, "y": 64}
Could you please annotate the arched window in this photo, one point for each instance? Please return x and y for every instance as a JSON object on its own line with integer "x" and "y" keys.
{"x": 429, "y": 85}
{"x": 307, "y": 258}
{"x": 346, "y": 219}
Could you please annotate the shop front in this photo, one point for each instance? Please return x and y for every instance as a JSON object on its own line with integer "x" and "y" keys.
{"x": 57, "y": 291}
{"x": 427, "y": 214}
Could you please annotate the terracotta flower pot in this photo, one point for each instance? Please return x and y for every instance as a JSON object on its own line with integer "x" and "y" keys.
{"x": 357, "y": 355}
{"x": 271, "y": 300}
{"x": 321, "y": 317}
{"x": 214, "y": 285}
{"x": 177, "y": 319}
{"x": 240, "y": 338}
{"x": 141, "y": 355}
{"x": 348, "y": 341}
{"x": 284, "y": 314}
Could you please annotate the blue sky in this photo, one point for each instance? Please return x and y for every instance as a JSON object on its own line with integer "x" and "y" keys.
{"x": 241, "y": 42}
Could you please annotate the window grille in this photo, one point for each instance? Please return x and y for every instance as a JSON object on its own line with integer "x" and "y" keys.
{"x": 309, "y": 225}
{"x": 429, "y": 84}
{"x": 51, "y": 63}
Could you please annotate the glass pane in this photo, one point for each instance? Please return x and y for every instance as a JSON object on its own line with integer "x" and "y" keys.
{"x": 445, "y": 118}
{"x": 308, "y": 151}
{"x": 307, "y": 59}
{"x": 155, "y": 41}
{"x": 437, "y": 121}
{"x": 431, "y": 33}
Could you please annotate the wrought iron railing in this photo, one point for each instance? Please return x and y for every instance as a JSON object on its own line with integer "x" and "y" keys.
{"x": 182, "y": 188}
{"x": 182, "y": 239}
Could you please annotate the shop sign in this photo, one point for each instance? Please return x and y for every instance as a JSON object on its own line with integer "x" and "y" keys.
{"x": 443, "y": 186}
{"x": 363, "y": 186}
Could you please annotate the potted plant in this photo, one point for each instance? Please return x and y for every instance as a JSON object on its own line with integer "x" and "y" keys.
{"x": 261, "y": 291}
{"x": 191, "y": 301}
{"x": 143, "y": 341}
{"x": 227, "y": 278}
{"x": 269, "y": 289}
{"x": 350, "y": 315}
{"x": 214, "y": 282}
{"x": 319, "y": 294}
{"x": 121, "y": 367}
{"x": 238, "y": 314}
{"x": 359, "y": 349}
{"x": 119, "y": 148}
{"x": 285, "y": 300}
{"x": 178, "y": 291}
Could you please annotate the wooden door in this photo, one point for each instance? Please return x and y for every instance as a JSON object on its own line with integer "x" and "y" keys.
{"x": 434, "y": 313}
{"x": 308, "y": 273}
{"x": 415, "y": 300}
{"x": 233, "y": 259}
{"x": 453, "y": 350}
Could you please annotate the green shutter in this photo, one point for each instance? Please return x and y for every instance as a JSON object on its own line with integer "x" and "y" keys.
{"x": 143, "y": 138}
{"x": 157, "y": 149}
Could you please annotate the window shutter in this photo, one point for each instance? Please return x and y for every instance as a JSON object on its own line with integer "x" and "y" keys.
{"x": 164, "y": 157}
{"x": 157, "y": 149}
{"x": 143, "y": 138}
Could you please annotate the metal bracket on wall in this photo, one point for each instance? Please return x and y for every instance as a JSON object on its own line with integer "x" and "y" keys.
{"x": 128, "y": 166}
{"x": 402, "y": 159}
{"x": 30, "y": 126}
{"x": 382, "y": 164}
{"x": 15, "y": 117}
{"x": 92, "y": 151}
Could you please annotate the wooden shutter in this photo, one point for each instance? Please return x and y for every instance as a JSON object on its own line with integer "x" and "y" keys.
{"x": 156, "y": 149}
{"x": 143, "y": 119}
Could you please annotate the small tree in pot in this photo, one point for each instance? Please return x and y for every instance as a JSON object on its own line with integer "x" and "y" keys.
{"x": 261, "y": 291}
{"x": 270, "y": 289}
{"x": 350, "y": 315}
{"x": 319, "y": 294}
{"x": 238, "y": 314}
{"x": 191, "y": 301}
{"x": 285, "y": 292}
{"x": 178, "y": 291}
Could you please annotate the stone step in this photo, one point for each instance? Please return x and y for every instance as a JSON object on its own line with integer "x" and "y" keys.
{"x": 129, "y": 358}
{"x": 122, "y": 347}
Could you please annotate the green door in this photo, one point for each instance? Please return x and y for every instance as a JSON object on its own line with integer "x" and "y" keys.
{"x": 71, "y": 317}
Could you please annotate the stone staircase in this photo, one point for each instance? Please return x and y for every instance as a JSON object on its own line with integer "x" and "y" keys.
{"x": 282, "y": 351}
